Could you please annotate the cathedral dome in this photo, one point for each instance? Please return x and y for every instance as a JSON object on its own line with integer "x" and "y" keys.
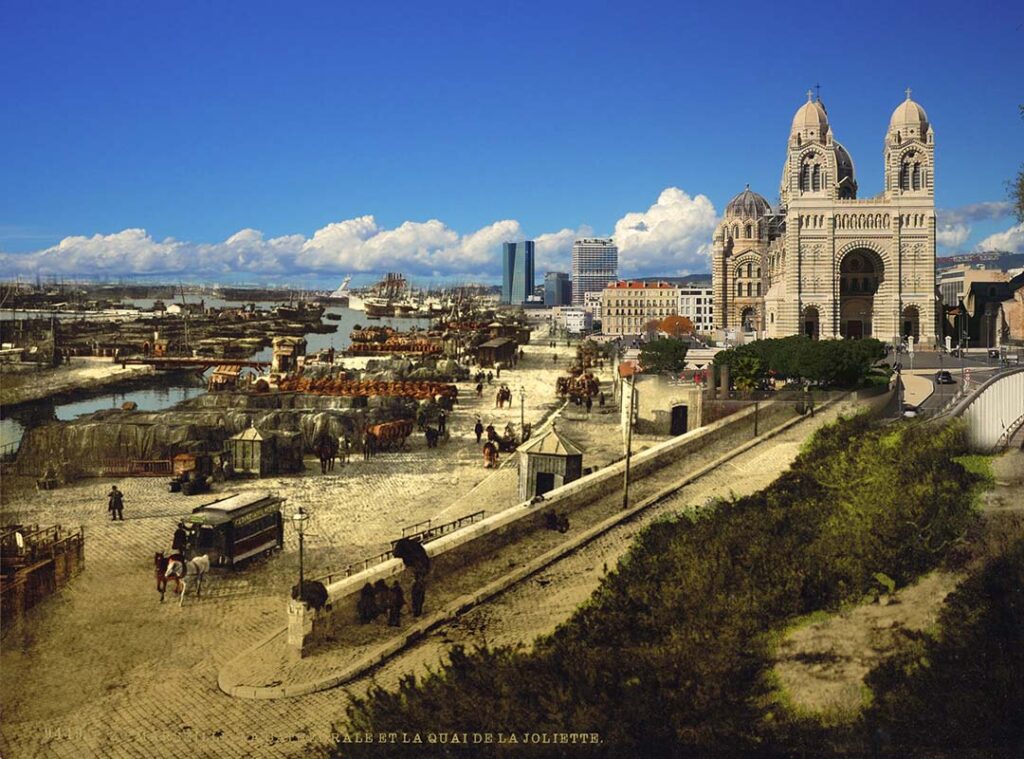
{"x": 909, "y": 118}
{"x": 810, "y": 119}
{"x": 748, "y": 205}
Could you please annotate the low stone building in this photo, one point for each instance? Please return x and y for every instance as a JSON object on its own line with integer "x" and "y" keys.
{"x": 662, "y": 405}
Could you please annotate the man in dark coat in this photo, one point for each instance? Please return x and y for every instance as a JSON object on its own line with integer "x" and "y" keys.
{"x": 478, "y": 429}
{"x": 115, "y": 504}
{"x": 367, "y": 605}
{"x": 600, "y": 399}
{"x": 396, "y": 601}
{"x": 180, "y": 542}
{"x": 419, "y": 593}
{"x": 442, "y": 420}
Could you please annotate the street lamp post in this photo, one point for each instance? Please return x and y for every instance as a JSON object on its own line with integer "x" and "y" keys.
{"x": 522, "y": 411}
{"x": 299, "y": 518}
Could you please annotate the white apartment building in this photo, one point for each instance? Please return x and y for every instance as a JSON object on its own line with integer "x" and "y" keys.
{"x": 592, "y": 303}
{"x": 695, "y": 303}
{"x": 575, "y": 320}
{"x": 628, "y": 306}
{"x": 595, "y": 263}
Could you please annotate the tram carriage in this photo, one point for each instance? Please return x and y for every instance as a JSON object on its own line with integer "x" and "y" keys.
{"x": 236, "y": 527}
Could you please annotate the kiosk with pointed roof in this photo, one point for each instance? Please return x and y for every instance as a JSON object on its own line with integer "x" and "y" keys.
{"x": 547, "y": 462}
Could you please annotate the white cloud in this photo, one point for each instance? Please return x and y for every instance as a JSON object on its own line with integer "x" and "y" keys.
{"x": 672, "y": 236}
{"x": 1012, "y": 240}
{"x": 952, "y": 235}
{"x": 954, "y": 224}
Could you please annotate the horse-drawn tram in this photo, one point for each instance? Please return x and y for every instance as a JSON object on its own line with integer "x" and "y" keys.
{"x": 236, "y": 527}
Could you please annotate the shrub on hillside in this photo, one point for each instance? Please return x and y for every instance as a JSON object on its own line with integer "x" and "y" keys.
{"x": 960, "y": 693}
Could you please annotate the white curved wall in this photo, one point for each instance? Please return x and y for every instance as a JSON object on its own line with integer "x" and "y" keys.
{"x": 997, "y": 407}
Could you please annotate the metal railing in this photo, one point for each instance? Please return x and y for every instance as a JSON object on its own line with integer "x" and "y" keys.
{"x": 412, "y": 532}
{"x": 432, "y": 533}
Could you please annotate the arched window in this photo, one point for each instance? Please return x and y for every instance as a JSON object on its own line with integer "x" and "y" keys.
{"x": 916, "y": 181}
{"x": 750, "y": 269}
{"x": 758, "y": 289}
{"x": 749, "y": 231}
{"x": 904, "y": 176}
{"x": 739, "y": 288}
{"x": 748, "y": 289}
{"x": 805, "y": 178}
{"x": 736, "y": 230}
{"x": 816, "y": 178}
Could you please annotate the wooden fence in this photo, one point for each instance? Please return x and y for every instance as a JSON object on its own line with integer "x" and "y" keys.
{"x": 36, "y": 563}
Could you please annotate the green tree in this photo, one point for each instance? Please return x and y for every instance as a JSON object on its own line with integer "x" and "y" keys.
{"x": 664, "y": 356}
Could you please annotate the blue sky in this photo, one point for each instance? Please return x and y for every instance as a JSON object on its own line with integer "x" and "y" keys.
{"x": 248, "y": 130}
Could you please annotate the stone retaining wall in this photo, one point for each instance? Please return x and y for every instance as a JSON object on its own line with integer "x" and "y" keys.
{"x": 463, "y": 547}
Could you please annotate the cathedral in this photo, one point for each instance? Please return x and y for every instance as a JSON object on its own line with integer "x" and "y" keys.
{"x": 826, "y": 263}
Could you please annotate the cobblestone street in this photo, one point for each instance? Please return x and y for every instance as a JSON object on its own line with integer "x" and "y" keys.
{"x": 106, "y": 670}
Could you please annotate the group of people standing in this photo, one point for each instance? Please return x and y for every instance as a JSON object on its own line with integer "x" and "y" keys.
{"x": 379, "y": 598}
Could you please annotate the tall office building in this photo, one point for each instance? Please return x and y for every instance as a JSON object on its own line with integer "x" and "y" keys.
{"x": 557, "y": 289}
{"x": 517, "y": 264}
{"x": 595, "y": 263}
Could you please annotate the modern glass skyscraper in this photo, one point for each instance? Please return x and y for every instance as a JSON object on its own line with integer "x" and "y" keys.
{"x": 517, "y": 265}
{"x": 557, "y": 289}
{"x": 595, "y": 263}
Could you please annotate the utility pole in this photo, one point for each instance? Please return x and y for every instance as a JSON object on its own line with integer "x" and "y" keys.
{"x": 629, "y": 442}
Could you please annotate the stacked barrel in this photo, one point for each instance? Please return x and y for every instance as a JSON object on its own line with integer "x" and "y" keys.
{"x": 396, "y": 345}
{"x": 346, "y": 388}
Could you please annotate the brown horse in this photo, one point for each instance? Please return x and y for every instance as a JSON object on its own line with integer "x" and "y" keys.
{"x": 160, "y": 563}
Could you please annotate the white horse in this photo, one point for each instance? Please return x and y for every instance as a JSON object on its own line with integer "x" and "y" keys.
{"x": 184, "y": 571}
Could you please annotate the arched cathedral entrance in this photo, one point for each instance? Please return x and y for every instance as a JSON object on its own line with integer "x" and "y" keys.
{"x": 860, "y": 274}
{"x": 812, "y": 322}
{"x": 748, "y": 319}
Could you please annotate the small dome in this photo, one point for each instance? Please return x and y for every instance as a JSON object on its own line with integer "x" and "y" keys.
{"x": 909, "y": 116}
{"x": 748, "y": 205}
{"x": 810, "y": 119}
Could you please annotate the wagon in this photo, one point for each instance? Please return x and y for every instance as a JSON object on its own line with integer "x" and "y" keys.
{"x": 391, "y": 436}
{"x": 236, "y": 527}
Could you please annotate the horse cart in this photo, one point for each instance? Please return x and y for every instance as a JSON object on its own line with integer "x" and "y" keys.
{"x": 236, "y": 527}
{"x": 391, "y": 436}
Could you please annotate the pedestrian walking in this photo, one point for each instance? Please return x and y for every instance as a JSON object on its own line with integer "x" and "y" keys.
{"x": 479, "y": 389}
{"x": 497, "y": 371}
{"x": 115, "y": 504}
{"x": 600, "y": 399}
{"x": 478, "y": 429}
{"x": 419, "y": 594}
{"x": 490, "y": 377}
{"x": 554, "y": 358}
{"x": 396, "y": 600}
{"x": 590, "y": 404}
{"x": 442, "y": 422}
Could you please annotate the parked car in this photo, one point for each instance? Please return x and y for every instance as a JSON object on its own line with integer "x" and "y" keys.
{"x": 944, "y": 378}
{"x": 909, "y": 410}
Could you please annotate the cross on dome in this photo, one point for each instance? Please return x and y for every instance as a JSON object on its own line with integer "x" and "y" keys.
{"x": 908, "y": 93}
{"x": 810, "y": 95}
